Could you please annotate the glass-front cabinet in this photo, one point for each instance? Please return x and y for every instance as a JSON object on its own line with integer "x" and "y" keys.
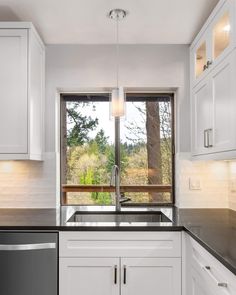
{"x": 200, "y": 59}
{"x": 216, "y": 41}
{"x": 221, "y": 35}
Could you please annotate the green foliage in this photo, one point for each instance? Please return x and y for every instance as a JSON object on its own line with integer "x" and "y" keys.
{"x": 77, "y": 134}
{"x": 101, "y": 198}
{"x": 110, "y": 157}
{"x": 101, "y": 140}
{"x": 110, "y": 152}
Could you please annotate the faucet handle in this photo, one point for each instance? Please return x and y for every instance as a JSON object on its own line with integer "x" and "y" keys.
{"x": 123, "y": 199}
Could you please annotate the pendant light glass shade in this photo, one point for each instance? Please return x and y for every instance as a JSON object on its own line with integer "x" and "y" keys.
{"x": 117, "y": 102}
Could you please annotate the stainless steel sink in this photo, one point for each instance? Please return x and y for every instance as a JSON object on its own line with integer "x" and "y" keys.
{"x": 111, "y": 216}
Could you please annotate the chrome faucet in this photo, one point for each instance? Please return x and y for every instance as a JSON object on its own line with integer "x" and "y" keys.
{"x": 115, "y": 181}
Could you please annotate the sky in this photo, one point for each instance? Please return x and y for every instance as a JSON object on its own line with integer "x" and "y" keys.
{"x": 100, "y": 110}
{"x": 133, "y": 117}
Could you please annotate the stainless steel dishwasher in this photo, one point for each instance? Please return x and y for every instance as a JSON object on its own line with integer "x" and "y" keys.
{"x": 28, "y": 263}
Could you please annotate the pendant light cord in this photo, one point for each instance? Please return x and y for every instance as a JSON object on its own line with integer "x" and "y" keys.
{"x": 117, "y": 51}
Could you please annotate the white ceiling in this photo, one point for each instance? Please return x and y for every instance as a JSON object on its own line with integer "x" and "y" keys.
{"x": 85, "y": 21}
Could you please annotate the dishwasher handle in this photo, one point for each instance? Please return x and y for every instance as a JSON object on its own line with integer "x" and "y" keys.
{"x": 27, "y": 247}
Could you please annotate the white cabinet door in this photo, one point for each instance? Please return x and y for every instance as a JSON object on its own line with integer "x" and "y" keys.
{"x": 199, "y": 286}
{"x": 200, "y": 55}
{"x": 150, "y": 276}
{"x": 224, "y": 93}
{"x": 203, "y": 274}
{"x": 89, "y": 276}
{"x": 213, "y": 110}
{"x": 202, "y": 118}
{"x": 222, "y": 32}
{"x": 13, "y": 91}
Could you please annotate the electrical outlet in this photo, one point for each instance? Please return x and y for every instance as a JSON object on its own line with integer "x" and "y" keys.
{"x": 194, "y": 184}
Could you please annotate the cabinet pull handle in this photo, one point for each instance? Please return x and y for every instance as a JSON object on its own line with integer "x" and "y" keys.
{"x": 27, "y": 247}
{"x": 219, "y": 284}
{"x": 207, "y": 269}
{"x": 115, "y": 274}
{"x": 207, "y": 140}
{"x": 124, "y": 278}
{"x": 206, "y": 137}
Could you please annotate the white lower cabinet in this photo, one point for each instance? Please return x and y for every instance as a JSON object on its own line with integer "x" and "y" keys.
{"x": 204, "y": 274}
{"x": 150, "y": 276}
{"x": 139, "y": 263}
{"x": 122, "y": 263}
{"x": 198, "y": 285}
{"x": 87, "y": 276}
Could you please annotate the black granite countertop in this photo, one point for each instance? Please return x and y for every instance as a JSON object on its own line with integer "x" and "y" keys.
{"x": 214, "y": 229}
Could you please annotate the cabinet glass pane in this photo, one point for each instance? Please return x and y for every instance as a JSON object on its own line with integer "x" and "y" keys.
{"x": 200, "y": 59}
{"x": 221, "y": 34}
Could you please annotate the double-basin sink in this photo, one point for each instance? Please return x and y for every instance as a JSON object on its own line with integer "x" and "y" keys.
{"x": 118, "y": 217}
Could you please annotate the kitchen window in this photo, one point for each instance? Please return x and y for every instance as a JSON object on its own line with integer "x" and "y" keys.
{"x": 141, "y": 144}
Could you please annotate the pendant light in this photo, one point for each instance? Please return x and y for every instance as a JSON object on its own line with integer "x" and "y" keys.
{"x": 117, "y": 101}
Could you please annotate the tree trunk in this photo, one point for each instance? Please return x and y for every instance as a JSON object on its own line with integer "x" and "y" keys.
{"x": 153, "y": 147}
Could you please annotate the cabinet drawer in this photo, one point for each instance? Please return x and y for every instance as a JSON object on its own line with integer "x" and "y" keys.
{"x": 117, "y": 244}
{"x": 212, "y": 270}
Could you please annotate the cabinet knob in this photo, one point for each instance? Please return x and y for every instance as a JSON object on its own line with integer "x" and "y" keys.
{"x": 209, "y": 63}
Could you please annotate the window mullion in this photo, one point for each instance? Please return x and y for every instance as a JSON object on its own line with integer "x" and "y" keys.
{"x": 117, "y": 141}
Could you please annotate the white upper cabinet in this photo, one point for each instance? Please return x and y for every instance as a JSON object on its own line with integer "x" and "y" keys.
{"x": 213, "y": 110}
{"x": 202, "y": 106}
{"x": 216, "y": 39}
{"x": 13, "y": 85}
{"x": 22, "y": 71}
{"x": 213, "y": 87}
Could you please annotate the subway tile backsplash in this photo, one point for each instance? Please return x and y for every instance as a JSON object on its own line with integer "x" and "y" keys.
{"x": 232, "y": 185}
{"x": 213, "y": 177}
{"x": 28, "y": 184}
{"x": 32, "y": 184}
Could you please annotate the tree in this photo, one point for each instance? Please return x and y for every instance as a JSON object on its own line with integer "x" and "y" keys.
{"x": 166, "y": 141}
{"x": 148, "y": 130}
{"x": 153, "y": 142}
{"x": 154, "y": 147}
{"x": 101, "y": 140}
{"x": 153, "y": 129}
{"x": 81, "y": 125}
